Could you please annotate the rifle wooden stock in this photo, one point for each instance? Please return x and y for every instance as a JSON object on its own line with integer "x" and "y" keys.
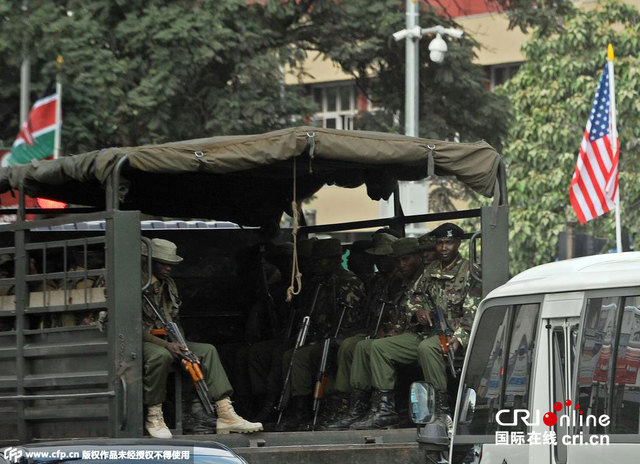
{"x": 321, "y": 378}
{"x": 445, "y": 333}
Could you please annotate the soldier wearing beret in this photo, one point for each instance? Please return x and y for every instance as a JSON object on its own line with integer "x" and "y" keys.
{"x": 160, "y": 353}
{"x": 337, "y": 289}
{"x": 375, "y": 361}
{"x": 446, "y": 281}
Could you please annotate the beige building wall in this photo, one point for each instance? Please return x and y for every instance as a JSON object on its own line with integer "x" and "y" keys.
{"x": 337, "y": 204}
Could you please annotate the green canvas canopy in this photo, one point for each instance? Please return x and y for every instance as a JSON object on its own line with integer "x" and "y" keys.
{"x": 248, "y": 179}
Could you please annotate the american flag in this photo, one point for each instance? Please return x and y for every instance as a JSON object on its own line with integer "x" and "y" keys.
{"x": 594, "y": 185}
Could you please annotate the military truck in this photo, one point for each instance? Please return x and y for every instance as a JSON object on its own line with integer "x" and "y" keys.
{"x": 72, "y": 380}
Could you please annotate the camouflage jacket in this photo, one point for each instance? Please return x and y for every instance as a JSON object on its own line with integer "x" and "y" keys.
{"x": 164, "y": 293}
{"x": 449, "y": 288}
{"x": 338, "y": 289}
{"x": 402, "y": 312}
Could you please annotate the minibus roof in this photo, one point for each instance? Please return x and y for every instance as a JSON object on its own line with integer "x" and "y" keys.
{"x": 612, "y": 270}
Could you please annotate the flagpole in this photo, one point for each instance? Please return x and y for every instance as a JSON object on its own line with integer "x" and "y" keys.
{"x": 614, "y": 141}
{"x": 58, "y": 130}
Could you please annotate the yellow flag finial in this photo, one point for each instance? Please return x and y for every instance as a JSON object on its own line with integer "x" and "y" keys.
{"x": 610, "y": 56}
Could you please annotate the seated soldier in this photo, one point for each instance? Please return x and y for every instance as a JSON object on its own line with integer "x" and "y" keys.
{"x": 375, "y": 361}
{"x": 361, "y": 263}
{"x": 428, "y": 247}
{"x": 446, "y": 281}
{"x": 384, "y": 288}
{"x": 160, "y": 354}
{"x": 338, "y": 290}
{"x": 265, "y": 358}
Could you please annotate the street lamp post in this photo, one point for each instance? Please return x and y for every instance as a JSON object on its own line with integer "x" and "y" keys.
{"x": 414, "y": 195}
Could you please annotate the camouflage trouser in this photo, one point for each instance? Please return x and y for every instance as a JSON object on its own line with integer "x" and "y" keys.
{"x": 346, "y": 353}
{"x": 158, "y": 361}
{"x": 375, "y": 361}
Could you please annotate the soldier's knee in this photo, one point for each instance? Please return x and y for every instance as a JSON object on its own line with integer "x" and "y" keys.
{"x": 161, "y": 358}
{"x": 377, "y": 347}
{"x": 428, "y": 348}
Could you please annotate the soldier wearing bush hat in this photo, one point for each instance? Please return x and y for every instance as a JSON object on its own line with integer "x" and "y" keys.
{"x": 337, "y": 289}
{"x": 376, "y": 360}
{"x": 160, "y": 353}
{"x": 427, "y": 243}
{"x": 385, "y": 285}
{"x": 360, "y": 262}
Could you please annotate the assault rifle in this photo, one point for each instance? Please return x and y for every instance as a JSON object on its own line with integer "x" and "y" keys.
{"x": 189, "y": 361}
{"x": 445, "y": 333}
{"x": 300, "y": 341}
{"x": 321, "y": 378}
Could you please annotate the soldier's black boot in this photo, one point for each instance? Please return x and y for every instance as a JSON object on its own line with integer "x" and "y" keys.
{"x": 333, "y": 406}
{"x": 359, "y": 405}
{"x": 438, "y": 431}
{"x": 298, "y": 415}
{"x": 197, "y": 421}
{"x": 385, "y": 415}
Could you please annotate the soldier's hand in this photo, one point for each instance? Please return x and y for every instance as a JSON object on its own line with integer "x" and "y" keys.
{"x": 424, "y": 317}
{"x": 453, "y": 343}
{"x": 177, "y": 350}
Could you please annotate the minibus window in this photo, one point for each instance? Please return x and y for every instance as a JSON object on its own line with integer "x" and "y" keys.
{"x": 484, "y": 371}
{"x": 626, "y": 394}
{"x": 516, "y": 392}
{"x": 594, "y": 371}
{"x": 499, "y": 366}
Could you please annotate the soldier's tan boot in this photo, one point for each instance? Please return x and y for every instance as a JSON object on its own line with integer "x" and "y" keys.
{"x": 155, "y": 422}
{"x": 230, "y": 422}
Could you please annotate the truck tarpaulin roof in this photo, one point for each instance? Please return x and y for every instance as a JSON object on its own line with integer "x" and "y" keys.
{"x": 248, "y": 179}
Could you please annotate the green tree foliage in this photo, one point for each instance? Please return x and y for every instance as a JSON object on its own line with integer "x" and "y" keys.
{"x": 139, "y": 71}
{"x": 454, "y": 97}
{"x": 150, "y": 71}
{"x": 552, "y": 96}
{"x": 547, "y": 16}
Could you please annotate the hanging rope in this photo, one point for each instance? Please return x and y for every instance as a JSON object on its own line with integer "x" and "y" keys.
{"x": 295, "y": 286}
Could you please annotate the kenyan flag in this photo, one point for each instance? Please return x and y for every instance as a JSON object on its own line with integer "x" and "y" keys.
{"x": 36, "y": 139}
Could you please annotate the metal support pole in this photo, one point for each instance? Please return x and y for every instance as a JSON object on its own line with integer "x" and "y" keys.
{"x": 25, "y": 69}
{"x": 411, "y": 72}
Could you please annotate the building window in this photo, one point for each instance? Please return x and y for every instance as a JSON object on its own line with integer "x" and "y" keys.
{"x": 500, "y": 74}
{"x": 336, "y": 106}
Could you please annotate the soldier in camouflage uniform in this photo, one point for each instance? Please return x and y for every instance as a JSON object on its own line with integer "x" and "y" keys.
{"x": 384, "y": 286}
{"x": 446, "y": 281}
{"x": 428, "y": 247}
{"x": 375, "y": 360}
{"x": 338, "y": 289}
{"x": 160, "y": 353}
